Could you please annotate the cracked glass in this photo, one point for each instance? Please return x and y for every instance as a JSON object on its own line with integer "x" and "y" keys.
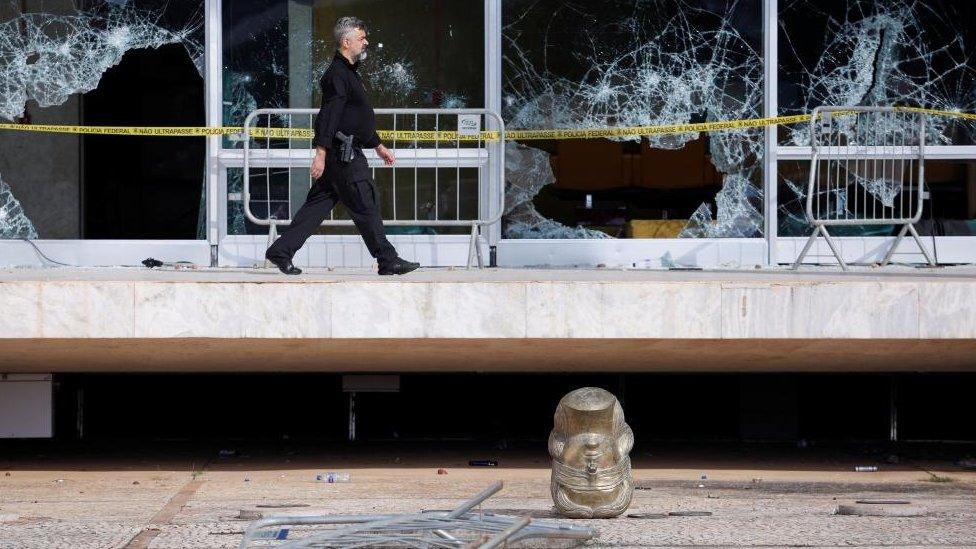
{"x": 575, "y": 65}
{"x": 422, "y": 54}
{"x": 51, "y": 53}
{"x": 13, "y": 221}
{"x": 877, "y": 53}
{"x": 949, "y": 210}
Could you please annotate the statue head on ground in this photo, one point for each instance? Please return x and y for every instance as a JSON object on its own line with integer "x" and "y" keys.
{"x": 590, "y": 445}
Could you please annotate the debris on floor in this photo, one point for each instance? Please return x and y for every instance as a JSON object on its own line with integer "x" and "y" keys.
{"x": 332, "y": 477}
{"x": 249, "y": 514}
{"x": 465, "y": 526}
{"x": 898, "y": 509}
{"x": 883, "y": 501}
{"x": 647, "y": 515}
{"x": 689, "y": 513}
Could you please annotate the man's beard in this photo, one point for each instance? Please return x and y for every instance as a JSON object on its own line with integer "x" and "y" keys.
{"x": 362, "y": 56}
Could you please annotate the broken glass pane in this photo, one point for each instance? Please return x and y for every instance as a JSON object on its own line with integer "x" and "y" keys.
{"x": 949, "y": 183}
{"x": 571, "y": 65}
{"x": 879, "y": 52}
{"x": 422, "y": 54}
{"x": 50, "y": 52}
{"x": 48, "y": 57}
{"x": 527, "y": 170}
{"x": 885, "y": 189}
{"x": 13, "y": 222}
{"x": 874, "y": 52}
{"x": 738, "y": 216}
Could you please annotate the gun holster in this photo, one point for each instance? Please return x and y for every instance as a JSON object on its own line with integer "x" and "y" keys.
{"x": 346, "y": 151}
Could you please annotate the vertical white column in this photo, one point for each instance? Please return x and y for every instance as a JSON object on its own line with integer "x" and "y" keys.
{"x": 300, "y": 82}
{"x": 213, "y": 91}
{"x": 770, "y": 108}
{"x": 493, "y": 102}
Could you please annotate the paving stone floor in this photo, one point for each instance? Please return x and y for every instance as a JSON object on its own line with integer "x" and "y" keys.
{"x": 93, "y": 501}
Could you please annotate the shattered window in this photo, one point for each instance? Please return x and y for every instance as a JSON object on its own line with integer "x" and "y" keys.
{"x": 574, "y": 65}
{"x": 425, "y": 53}
{"x": 879, "y": 53}
{"x": 422, "y": 54}
{"x": 51, "y": 53}
{"x": 949, "y": 209}
{"x": 13, "y": 222}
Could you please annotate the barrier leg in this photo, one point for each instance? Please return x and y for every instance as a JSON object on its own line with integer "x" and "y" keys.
{"x": 474, "y": 250}
{"x": 833, "y": 248}
{"x": 891, "y": 251}
{"x": 918, "y": 240}
{"x": 477, "y": 248}
{"x": 806, "y": 248}
{"x": 472, "y": 243}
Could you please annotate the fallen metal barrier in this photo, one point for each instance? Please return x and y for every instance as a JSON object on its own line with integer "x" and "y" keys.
{"x": 461, "y": 527}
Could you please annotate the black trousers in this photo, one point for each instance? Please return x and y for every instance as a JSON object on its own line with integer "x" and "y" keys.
{"x": 352, "y": 185}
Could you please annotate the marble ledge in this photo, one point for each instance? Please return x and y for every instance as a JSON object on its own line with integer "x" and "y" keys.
{"x": 552, "y": 309}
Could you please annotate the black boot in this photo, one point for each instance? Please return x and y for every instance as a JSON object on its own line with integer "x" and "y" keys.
{"x": 399, "y": 266}
{"x": 284, "y": 265}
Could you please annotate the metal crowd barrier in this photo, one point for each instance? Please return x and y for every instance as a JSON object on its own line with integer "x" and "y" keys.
{"x": 465, "y": 526}
{"x": 867, "y": 168}
{"x": 464, "y": 150}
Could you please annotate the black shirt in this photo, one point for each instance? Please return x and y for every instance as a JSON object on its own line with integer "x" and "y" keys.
{"x": 345, "y": 107}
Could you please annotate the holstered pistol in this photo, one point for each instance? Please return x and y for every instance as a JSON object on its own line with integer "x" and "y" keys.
{"x": 346, "y": 151}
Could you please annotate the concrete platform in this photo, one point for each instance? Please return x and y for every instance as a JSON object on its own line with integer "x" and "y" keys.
{"x": 127, "y": 319}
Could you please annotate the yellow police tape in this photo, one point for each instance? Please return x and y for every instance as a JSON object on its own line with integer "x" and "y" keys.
{"x": 402, "y": 135}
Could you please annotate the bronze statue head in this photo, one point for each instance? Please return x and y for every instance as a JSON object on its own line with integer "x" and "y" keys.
{"x": 590, "y": 445}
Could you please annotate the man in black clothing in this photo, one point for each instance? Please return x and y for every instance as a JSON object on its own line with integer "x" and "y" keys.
{"x": 345, "y": 110}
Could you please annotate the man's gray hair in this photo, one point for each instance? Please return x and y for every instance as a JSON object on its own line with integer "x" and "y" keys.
{"x": 346, "y": 25}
